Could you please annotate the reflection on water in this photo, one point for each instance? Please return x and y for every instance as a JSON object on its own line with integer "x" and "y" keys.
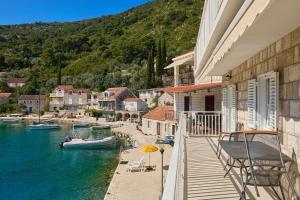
{"x": 32, "y": 166}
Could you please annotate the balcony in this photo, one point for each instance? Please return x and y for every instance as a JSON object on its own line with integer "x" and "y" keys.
{"x": 195, "y": 172}
{"x": 56, "y": 95}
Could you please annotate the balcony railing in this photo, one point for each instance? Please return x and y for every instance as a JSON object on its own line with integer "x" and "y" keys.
{"x": 196, "y": 123}
{"x": 204, "y": 123}
{"x": 53, "y": 95}
{"x": 175, "y": 185}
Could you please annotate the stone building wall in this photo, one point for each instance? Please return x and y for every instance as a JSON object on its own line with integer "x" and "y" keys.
{"x": 282, "y": 56}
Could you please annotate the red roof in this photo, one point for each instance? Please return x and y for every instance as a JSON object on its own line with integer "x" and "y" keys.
{"x": 17, "y": 80}
{"x": 6, "y": 95}
{"x": 161, "y": 113}
{"x": 2, "y": 74}
{"x": 115, "y": 92}
{"x": 133, "y": 100}
{"x": 64, "y": 87}
{"x": 189, "y": 88}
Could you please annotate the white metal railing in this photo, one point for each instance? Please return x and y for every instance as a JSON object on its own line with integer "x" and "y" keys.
{"x": 204, "y": 123}
{"x": 175, "y": 185}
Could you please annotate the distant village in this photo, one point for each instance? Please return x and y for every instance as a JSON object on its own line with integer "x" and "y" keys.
{"x": 156, "y": 110}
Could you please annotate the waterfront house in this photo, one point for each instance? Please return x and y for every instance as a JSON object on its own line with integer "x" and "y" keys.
{"x": 255, "y": 46}
{"x": 94, "y": 101}
{"x": 57, "y": 97}
{"x": 111, "y": 100}
{"x": 69, "y": 101}
{"x": 150, "y": 96}
{"x": 159, "y": 121}
{"x": 16, "y": 82}
{"x": 33, "y": 103}
{"x": 166, "y": 99}
{"x": 203, "y": 96}
{"x": 4, "y": 98}
{"x": 133, "y": 110}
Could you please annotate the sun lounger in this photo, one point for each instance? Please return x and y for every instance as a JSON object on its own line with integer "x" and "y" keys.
{"x": 136, "y": 165}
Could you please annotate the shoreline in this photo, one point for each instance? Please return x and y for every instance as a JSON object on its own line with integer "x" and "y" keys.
{"x": 126, "y": 185}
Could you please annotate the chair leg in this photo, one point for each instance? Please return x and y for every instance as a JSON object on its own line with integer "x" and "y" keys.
{"x": 243, "y": 194}
{"x": 281, "y": 190}
{"x": 227, "y": 172}
{"x": 277, "y": 195}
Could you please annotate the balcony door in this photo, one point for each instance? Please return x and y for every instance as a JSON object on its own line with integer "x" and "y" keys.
{"x": 210, "y": 103}
{"x": 186, "y": 103}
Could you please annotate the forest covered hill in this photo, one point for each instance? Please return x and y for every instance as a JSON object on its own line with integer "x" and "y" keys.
{"x": 101, "y": 52}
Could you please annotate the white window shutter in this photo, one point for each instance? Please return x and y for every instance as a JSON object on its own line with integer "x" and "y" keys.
{"x": 233, "y": 108}
{"x": 252, "y": 104}
{"x": 272, "y": 116}
{"x": 224, "y": 109}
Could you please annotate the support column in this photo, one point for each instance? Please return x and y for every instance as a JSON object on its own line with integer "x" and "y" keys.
{"x": 176, "y": 75}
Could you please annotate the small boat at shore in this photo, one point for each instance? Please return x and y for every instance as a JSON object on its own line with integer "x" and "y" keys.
{"x": 75, "y": 143}
{"x": 43, "y": 126}
{"x": 100, "y": 127}
{"x": 12, "y": 120}
{"x": 81, "y": 125}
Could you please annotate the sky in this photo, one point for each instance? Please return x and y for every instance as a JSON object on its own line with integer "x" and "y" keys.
{"x": 29, "y": 11}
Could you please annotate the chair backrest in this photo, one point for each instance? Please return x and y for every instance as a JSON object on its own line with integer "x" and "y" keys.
{"x": 264, "y": 148}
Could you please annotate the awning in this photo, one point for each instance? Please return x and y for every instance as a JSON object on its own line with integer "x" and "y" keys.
{"x": 190, "y": 88}
{"x": 184, "y": 61}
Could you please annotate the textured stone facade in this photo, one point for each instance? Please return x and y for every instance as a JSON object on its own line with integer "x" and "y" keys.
{"x": 282, "y": 56}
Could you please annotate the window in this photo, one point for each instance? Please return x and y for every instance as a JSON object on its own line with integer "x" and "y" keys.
{"x": 149, "y": 124}
{"x": 262, "y": 102}
{"x": 229, "y": 108}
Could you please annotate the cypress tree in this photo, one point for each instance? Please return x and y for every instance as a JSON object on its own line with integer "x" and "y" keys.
{"x": 59, "y": 73}
{"x": 164, "y": 53}
{"x": 159, "y": 67}
{"x": 150, "y": 70}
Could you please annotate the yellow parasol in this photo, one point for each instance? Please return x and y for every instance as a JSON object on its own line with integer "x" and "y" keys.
{"x": 149, "y": 149}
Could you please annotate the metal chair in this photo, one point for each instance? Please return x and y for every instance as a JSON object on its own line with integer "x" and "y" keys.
{"x": 266, "y": 162}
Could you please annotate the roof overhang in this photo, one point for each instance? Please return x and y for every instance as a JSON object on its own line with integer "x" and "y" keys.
{"x": 264, "y": 22}
{"x": 191, "y": 88}
{"x": 185, "y": 59}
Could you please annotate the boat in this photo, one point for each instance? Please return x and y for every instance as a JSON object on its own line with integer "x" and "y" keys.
{"x": 43, "y": 126}
{"x": 81, "y": 125}
{"x": 74, "y": 143}
{"x": 100, "y": 127}
{"x": 12, "y": 120}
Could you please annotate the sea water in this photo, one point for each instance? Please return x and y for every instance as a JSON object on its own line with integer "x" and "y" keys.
{"x": 33, "y": 166}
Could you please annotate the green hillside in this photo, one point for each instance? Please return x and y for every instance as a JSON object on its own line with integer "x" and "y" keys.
{"x": 101, "y": 52}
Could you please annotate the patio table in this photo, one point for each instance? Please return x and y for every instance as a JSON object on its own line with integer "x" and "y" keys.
{"x": 241, "y": 151}
{"x": 257, "y": 150}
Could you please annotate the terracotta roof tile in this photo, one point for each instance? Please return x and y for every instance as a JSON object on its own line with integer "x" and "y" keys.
{"x": 5, "y": 95}
{"x": 189, "y": 88}
{"x": 2, "y": 74}
{"x": 133, "y": 100}
{"x": 64, "y": 87}
{"x": 17, "y": 80}
{"x": 161, "y": 113}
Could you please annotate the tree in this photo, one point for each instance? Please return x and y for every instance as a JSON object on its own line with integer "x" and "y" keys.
{"x": 159, "y": 67}
{"x": 150, "y": 70}
{"x": 164, "y": 53}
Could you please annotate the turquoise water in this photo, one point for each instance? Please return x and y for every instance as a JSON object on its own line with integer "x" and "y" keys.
{"x": 32, "y": 166}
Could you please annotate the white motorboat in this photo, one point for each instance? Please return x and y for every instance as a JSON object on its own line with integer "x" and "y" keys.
{"x": 43, "y": 126}
{"x": 81, "y": 125}
{"x": 100, "y": 127}
{"x": 88, "y": 144}
{"x": 10, "y": 120}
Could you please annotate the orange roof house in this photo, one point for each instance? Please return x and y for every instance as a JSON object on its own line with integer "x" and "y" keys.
{"x": 160, "y": 113}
